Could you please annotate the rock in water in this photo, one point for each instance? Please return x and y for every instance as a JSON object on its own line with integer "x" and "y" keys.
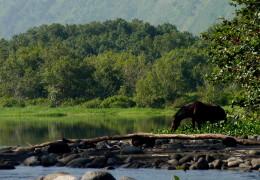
{"x": 131, "y": 150}
{"x": 229, "y": 142}
{"x": 97, "y": 175}
{"x": 59, "y": 147}
{"x": 139, "y": 141}
{"x": 58, "y": 176}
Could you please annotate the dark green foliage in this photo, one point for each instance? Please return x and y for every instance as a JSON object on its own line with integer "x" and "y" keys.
{"x": 65, "y": 63}
{"x": 11, "y": 102}
{"x": 235, "y": 53}
{"x": 39, "y": 102}
{"x": 95, "y": 103}
{"x": 118, "y": 101}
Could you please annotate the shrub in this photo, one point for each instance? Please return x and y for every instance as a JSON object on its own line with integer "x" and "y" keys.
{"x": 11, "y": 102}
{"x": 41, "y": 102}
{"x": 183, "y": 100}
{"x": 94, "y": 103}
{"x": 72, "y": 102}
{"x": 118, "y": 101}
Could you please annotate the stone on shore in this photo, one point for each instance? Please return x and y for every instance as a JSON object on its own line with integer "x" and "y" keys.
{"x": 59, "y": 147}
{"x": 57, "y": 176}
{"x": 48, "y": 160}
{"x": 32, "y": 161}
{"x": 79, "y": 162}
{"x": 202, "y": 164}
{"x": 234, "y": 161}
{"x": 69, "y": 158}
{"x": 255, "y": 163}
{"x": 97, "y": 175}
{"x": 229, "y": 142}
{"x": 131, "y": 150}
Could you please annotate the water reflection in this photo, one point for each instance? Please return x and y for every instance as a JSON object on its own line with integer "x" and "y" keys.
{"x": 31, "y": 130}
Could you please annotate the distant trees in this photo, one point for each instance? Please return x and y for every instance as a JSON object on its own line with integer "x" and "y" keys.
{"x": 152, "y": 65}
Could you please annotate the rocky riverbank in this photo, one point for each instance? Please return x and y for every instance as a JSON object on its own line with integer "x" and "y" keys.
{"x": 139, "y": 152}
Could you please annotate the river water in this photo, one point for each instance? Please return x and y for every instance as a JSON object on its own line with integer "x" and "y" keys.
{"x": 25, "y": 173}
{"x": 30, "y": 130}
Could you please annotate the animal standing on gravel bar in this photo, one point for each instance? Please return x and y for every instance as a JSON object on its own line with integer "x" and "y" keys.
{"x": 199, "y": 113}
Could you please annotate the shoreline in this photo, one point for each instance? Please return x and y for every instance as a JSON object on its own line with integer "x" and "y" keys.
{"x": 158, "y": 153}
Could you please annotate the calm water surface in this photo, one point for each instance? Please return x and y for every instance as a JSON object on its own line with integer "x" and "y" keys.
{"x": 22, "y": 173}
{"x": 31, "y": 130}
{"x": 26, "y": 131}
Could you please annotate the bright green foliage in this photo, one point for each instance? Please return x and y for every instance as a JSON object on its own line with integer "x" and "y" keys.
{"x": 178, "y": 72}
{"x": 11, "y": 102}
{"x": 235, "y": 52}
{"x": 94, "y": 103}
{"x": 118, "y": 101}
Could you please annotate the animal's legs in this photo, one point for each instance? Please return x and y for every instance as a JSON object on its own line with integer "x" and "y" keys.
{"x": 193, "y": 123}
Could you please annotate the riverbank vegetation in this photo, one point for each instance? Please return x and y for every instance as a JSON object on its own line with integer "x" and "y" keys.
{"x": 120, "y": 64}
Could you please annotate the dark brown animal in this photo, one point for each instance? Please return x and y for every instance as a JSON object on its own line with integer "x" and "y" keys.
{"x": 199, "y": 113}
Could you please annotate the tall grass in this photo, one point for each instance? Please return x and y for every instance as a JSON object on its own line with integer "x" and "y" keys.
{"x": 79, "y": 111}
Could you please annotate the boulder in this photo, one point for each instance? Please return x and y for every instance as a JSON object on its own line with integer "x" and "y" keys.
{"x": 218, "y": 146}
{"x": 48, "y": 160}
{"x": 69, "y": 158}
{"x": 176, "y": 156}
{"x": 97, "y": 163}
{"x": 79, "y": 162}
{"x": 139, "y": 141}
{"x": 234, "y": 161}
{"x": 229, "y": 142}
{"x": 202, "y": 164}
{"x": 161, "y": 141}
{"x": 209, "y": 158}
{"x": 59, "y": 147}
{"x": 131, "y": 150}
{"x": 58, "y": 176}
{"x": 174, "y": 146}
{"x": 185, "y": 159}
{"x": 173, "y": 162}
{"x": 253, "y": 152}
{"x": 217, "y": 164}
{"x": 255, "y": 163}
{"x": 31, "y": 161}
{"x": 114, "y": 161}
{"x": 97, "y": 175}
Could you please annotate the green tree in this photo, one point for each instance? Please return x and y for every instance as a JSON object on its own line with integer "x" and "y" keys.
{"x": 178, "y": 72}
{"x": 19, "y": 74}
{"x": 235, "y": 52}
{"x": 68, "y": 78}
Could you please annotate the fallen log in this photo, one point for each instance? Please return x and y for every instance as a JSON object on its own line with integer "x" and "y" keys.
{"x": 148, "y": 135}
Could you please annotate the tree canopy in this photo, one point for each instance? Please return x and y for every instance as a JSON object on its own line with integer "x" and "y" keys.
{"x": 234, "y": 50}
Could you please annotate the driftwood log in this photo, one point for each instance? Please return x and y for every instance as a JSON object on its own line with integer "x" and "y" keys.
{"x": 149, "y": 135}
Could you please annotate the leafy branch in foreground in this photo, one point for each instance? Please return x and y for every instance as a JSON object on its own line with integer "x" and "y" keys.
{"x": 235, "y": 52}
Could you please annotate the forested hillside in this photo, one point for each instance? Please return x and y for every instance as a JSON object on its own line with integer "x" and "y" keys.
{"x": 195, "y": 16}
{"x": 135, "y": 62}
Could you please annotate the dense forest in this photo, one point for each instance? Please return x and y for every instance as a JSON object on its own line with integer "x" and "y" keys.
{"x": 17, "y": 16}
{"x": 111, "y": 64}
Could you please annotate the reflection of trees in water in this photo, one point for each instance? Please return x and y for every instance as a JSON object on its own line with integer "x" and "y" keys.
{"x": 40, "y": 130}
